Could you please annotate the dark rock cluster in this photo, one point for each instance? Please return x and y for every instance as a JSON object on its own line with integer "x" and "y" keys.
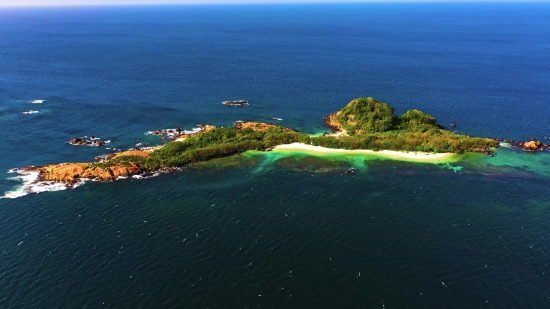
{"x": 85, "y": 142}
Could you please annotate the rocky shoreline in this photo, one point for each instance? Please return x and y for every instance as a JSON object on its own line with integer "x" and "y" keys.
{"x": 72, "y": 174}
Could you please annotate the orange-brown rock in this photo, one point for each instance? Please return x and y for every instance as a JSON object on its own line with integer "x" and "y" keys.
{"x": 531, "y": 145}
{"x": 71, "y": 173}
{"x": 331, "y": 122}
{"x": 257, "y": 126}
{"x": 141, "y": 153}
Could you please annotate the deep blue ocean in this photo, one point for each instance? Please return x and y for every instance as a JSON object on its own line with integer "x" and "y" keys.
{"x": 258, "y": 231}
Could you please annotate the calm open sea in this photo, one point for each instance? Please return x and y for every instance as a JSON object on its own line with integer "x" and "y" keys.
{"x": 260, "y": 231}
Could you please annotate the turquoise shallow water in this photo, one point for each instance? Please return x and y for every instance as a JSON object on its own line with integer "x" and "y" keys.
{"x": 270, "y": 230}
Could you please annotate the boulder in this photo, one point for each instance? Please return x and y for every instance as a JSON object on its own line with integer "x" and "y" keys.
{"x": 531, "y": 146}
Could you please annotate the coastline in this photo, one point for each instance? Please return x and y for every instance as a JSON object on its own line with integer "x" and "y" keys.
{"x": 396, "y": 155}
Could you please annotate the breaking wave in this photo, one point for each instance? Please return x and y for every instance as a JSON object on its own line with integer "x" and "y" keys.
{"x": 29, "y": 184}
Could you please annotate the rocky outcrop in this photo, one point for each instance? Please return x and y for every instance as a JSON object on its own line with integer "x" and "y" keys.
{"x": 485, "y": 151}
{"x": 330, "y": 121}
{"x": 179, "y": 134}
{"x": 84, "y": 142}
{"x": 71, "y": 173}
{"x": 530, "y": 146}
{"x": 533, "y": 145}
{"x": 236, "y": 103}
{"x": 257, "y": 126}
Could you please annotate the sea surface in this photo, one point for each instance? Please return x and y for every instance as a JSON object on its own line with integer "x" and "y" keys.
{"x": 267, "y": 230}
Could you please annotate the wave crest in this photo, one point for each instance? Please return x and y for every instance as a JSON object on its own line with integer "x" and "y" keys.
{"x": 29, "y": 184}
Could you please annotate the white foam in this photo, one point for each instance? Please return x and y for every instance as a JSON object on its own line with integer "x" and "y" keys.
{"x": 29, "y": 112}
{"x": 146, "y": 176}
{"x": 30, "y": 185}
{"x": 37, "y": 101}
{"x": 173, "y": 132}
{"x": 194, "y": 130}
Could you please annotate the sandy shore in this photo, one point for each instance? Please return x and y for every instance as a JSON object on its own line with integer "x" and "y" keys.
{"x": 417, "y": 156}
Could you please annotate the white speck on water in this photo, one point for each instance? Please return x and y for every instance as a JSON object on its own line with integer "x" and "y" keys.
{"x": 19, "y": 244}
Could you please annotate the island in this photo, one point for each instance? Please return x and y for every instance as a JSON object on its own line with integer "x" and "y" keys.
{"x": 365, "y": 125}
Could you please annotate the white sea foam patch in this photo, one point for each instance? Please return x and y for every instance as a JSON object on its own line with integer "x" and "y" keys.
{"x": 146, "y": 176}
{"x": 29, "y": 112}
{"x": 173, "y": 132}
{"x": 30, "y": 185}
{"x": 37, "y": 101}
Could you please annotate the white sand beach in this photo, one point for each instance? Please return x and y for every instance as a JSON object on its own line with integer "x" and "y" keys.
{"x": 417, "y": 156}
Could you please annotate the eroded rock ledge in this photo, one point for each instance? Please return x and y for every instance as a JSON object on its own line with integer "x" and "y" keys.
{"x": 72, "y": 173}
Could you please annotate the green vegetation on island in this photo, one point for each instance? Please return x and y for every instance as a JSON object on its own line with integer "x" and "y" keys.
{"x": 371, "y": 124}
{"x": 364, "y": 123}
